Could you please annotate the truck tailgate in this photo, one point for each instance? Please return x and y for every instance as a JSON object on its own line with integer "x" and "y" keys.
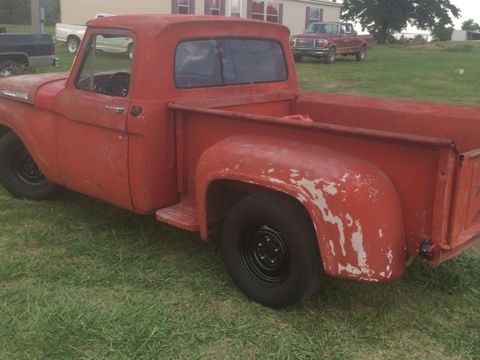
{"x": 465, "y": 222}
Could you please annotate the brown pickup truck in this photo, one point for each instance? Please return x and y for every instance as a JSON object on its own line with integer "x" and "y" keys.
{"x": 206, "y": 129}
{"x": 328, "y": 40}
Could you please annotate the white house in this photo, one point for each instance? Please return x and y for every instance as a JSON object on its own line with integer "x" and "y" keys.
{"x": 296, "y": 14}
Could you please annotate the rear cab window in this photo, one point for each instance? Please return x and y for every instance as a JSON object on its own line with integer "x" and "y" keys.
{"x": 228, "y": 61}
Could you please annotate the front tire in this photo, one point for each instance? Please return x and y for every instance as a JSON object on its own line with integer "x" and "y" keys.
{"x": 19, "y": 174}
{"x": 331, "y": 56}
{"x": 362, "y": 54}
{"x": 270, "y": 249}
{"x": 297, "y": 58}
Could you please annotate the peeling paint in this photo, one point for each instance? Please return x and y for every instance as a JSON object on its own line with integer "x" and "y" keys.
{"x": 380, "y": 233}
{"x": 271, "y": 171}
{"x": 357, "y": 244}
{"x": 330, "y": 189}
{"x": 349, "y": 269}
{"x": 332, "y": 247}
{"x": 273, "y": 180}
{"x": 321, "y": 203}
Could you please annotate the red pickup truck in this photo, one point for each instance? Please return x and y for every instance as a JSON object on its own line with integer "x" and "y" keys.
{"x": 328, "y": 40}
{"x": 207, "y": 129}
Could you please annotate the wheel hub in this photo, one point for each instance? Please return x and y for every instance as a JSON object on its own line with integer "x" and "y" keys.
{"x": 26, "y": 169}
{"x": 265, "y": 255}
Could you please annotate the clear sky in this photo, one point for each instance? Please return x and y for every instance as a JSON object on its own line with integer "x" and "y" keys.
{"x": 470, "y": 10}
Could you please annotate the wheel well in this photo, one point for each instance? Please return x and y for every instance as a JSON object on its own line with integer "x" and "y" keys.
{"x": 223, "y": 194}
{"x": 3, "y": 130}
{"x": 18, "y": 58}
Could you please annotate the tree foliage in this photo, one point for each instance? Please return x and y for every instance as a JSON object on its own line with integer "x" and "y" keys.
{"x": 470, "y": 25}
{"x": 384, "y": 17}
{"x": 18, "y": 11}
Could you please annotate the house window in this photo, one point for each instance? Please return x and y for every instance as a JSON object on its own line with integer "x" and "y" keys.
{"x": 183, "y": 6}
{"x": 235, "y": 8}
{"x": 313, "y": 15}
{"x": 266, "y": 10}
{"x": 214, "y": 7}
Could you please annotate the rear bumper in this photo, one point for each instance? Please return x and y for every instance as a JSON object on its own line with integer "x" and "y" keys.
{"x": 441, "y": 255}
{"x": 315, "y": 52}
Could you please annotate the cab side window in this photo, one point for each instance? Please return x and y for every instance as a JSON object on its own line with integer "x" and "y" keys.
{"x": 107, "y": 66}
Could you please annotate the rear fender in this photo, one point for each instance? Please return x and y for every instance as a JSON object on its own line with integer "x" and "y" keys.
{"x": 353, "y": 205}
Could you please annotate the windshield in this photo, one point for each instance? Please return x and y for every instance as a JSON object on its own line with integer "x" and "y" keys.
{"x": 319, "y": 28}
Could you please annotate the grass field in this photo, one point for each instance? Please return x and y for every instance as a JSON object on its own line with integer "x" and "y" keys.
{"x": 80, "y": 279}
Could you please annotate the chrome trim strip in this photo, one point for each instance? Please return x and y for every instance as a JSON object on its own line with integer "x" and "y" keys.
{"x": 15, "y": 94}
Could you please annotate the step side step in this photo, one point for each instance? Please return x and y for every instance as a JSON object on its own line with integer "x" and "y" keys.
{"x": 182, "y": 215}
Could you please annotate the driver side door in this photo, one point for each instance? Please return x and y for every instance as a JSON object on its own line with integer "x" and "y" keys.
{"x": 92, "y": 140}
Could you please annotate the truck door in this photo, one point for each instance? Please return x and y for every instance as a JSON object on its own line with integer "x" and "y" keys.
{"x": 93, "y": 110}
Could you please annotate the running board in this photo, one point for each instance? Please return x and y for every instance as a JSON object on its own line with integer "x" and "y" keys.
{"x": 182, "y": 215}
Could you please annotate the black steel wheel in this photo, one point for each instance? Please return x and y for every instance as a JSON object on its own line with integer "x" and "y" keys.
{"x": 270, "y": 249}
{"x": 19, "y": 174}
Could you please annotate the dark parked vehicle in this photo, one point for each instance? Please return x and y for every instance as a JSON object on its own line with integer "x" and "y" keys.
{"x": 18, "y": 51}
{"x": 327, "y": 40}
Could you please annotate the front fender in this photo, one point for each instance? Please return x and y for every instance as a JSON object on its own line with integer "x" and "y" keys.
{"x": 36, "y": 129}
{"x": 354, "y": 207}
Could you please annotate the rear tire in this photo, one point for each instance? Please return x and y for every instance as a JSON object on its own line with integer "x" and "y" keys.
{"x": 331, "y": 56}
{"x": 9, "y": 68}
{"x": 270, "y": 249}
{"x": 19, "y": 174}
{"x": 297, "y": 58}
{"x": 73, "y": 43}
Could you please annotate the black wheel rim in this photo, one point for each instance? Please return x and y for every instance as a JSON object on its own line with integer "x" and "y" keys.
{"x": 24, "y": 168}
{"x": 264, "y": 254}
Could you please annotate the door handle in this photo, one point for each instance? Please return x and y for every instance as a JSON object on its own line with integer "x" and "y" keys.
{"x": 115, "y": 109}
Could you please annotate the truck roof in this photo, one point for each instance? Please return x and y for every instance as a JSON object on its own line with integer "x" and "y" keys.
{"x": 156, "y": 23}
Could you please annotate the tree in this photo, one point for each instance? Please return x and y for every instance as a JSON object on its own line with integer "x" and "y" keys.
{"x": 470, "y": 25}
{"x": 442, "y": 32}
{"x": 18, "y": 11}
{"x": 384, "y": 17}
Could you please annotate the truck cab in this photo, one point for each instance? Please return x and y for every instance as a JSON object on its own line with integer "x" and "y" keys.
{"x": 206, "y": 129}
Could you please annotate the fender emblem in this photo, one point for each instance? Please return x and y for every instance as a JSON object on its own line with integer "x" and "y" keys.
{"x": 15, "y": 94}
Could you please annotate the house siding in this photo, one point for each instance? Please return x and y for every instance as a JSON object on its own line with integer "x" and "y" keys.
{"x": 294, "y": 11}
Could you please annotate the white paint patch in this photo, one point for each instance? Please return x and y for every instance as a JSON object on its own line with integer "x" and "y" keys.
{"x": 321, "y": 203}
{"x": 349, "y": 269}
{"x": 357, "y": 244}
{"x": 294, "y": 173}
{"x": 380, "y": 233}
{"x": 345, "y": 177}
{"x": 270, "y": 171}
{"x": 330, "y": 189}
{"x": 349, "y": 220}
{"x": 332, "y": 247}
{"x": 273, "y": 180}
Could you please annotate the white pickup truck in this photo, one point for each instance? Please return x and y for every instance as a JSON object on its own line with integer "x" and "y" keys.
{"x": 73, "y": 35}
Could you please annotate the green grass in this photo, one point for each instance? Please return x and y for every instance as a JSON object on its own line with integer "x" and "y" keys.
{"x": 80, "y": 279}
{"x": 420, "y": 73}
